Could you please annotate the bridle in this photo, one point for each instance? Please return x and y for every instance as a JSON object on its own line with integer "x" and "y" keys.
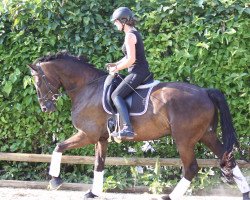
{"x": 48, "y": 85}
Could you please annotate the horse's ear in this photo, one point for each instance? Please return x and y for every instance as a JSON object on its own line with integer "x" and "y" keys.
{"x": 32, "y": 67}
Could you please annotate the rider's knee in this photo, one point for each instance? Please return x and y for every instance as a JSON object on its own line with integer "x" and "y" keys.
{"x": 115, "y": 98}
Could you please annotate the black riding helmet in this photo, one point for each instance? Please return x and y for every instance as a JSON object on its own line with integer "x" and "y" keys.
{"x": 124, "y": 15}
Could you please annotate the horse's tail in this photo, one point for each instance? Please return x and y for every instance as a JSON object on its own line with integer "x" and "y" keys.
{"x": 228, "y": 132}
{"x": 229, "y": 139}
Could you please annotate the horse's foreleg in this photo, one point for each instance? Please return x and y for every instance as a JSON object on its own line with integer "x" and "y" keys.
{"x": 100, "y": 155}
{"x": 76, "y": 141}
{"x": 228, "y": 165}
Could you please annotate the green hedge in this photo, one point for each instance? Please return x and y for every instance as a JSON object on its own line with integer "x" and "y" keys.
{"x": 201, "y": 42}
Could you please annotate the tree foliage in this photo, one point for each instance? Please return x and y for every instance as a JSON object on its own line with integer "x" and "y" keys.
{"x": 201, "y": 42}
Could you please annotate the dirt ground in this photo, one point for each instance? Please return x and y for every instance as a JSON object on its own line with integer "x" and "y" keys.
{"x": 39, "y": 194}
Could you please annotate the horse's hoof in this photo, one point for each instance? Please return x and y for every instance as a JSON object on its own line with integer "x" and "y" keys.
{"x": 166, "y": 197}
{"x": 55, "y": 183}
{"x": 246, "y": 196}
{"x": 89, "y": 195}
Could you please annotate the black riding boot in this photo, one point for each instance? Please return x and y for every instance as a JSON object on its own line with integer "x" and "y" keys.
{"x": 127, "y": 131}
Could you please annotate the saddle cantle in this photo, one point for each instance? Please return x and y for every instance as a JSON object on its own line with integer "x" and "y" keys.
{"x": 137, "y": 102}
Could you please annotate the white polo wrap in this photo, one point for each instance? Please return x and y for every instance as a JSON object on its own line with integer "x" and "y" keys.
{"x": 98, "y": 183}
{"x": 180, "y": 189}
{"x": 240, "y": 180}
{"x": 55, "y": 164}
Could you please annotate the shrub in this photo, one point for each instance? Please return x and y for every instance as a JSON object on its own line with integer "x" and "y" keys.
{"x": 201, "y": 42}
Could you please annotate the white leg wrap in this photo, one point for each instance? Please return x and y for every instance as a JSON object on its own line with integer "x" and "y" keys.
{"x": 97, "y": 183}
{"x": 180, "y": 189}
{"x": 55, "y": 164}
{"x": 240, "y": 180}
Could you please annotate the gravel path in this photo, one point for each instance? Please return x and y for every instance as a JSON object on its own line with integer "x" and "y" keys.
{"x": 38, "y": 194}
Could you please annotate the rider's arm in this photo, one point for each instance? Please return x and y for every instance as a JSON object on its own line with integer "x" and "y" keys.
{"x": 120, "y": 61}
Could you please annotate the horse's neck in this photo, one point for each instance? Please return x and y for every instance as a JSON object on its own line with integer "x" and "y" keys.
{"x": 90, "y": 95}
{"x": 76, "y": 80}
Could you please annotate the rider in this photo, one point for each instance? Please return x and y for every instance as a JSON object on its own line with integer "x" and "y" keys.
{"x": 136, "y": 63}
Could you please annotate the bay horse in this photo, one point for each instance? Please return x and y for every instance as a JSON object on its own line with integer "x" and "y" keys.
{"x": 188, "y": 112}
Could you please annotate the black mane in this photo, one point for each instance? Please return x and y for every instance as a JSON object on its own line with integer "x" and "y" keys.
{"x": 63, "y": 55}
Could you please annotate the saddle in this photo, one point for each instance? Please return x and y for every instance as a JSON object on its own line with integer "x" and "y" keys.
{"x": 137, "y": 102}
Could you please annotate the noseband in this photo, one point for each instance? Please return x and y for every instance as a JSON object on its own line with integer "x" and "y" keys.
{"x": 48, "y": 86}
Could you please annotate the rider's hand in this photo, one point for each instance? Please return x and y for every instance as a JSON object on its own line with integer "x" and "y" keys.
{"x": 108, "y": 65}
{"x": 112, "y": 70}
{"x": 112, "y": 67}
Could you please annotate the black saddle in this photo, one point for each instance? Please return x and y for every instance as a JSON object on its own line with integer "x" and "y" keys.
{"x": 137, "y": 102}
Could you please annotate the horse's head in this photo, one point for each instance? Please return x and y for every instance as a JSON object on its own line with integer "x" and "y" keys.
{"x": 47, "y": 87}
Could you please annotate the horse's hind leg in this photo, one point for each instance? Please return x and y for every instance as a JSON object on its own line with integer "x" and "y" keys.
{"x": 100, "y": 155}
{"x": 228, "y": 165}
{"x": 190, "y": 167}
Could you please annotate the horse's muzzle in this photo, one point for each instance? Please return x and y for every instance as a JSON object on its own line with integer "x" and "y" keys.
{"x": 48, "y": 106}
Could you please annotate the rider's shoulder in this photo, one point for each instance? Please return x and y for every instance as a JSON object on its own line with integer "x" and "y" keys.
{"x": 130, "y": 37}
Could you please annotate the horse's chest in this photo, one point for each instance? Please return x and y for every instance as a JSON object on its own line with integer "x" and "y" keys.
{"x": 80, "y": 118}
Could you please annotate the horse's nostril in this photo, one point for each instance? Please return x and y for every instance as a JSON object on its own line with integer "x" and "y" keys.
{"x": 44, "y": 109}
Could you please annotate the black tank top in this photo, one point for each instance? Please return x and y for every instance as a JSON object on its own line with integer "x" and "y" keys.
{"x": 140, "y": 65}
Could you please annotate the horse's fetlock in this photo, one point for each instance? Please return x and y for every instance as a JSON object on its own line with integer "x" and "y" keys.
{"x": 59, "y": 148}
{"x": 194, "y": 168}
{"x": 191, "y": 171}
